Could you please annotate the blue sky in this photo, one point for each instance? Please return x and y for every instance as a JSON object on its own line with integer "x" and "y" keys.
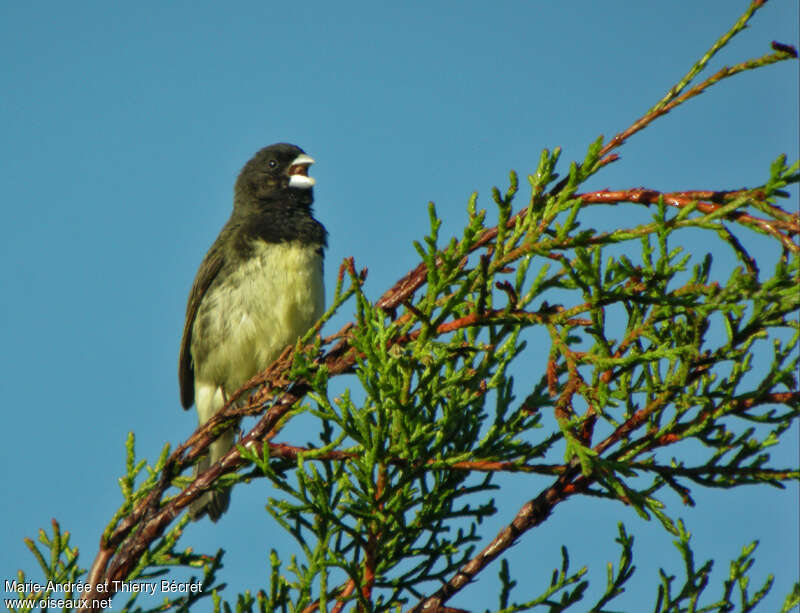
{"x": 124, "y": 128}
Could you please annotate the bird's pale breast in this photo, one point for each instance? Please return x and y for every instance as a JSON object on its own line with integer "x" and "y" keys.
{"x": 265, "y": 304}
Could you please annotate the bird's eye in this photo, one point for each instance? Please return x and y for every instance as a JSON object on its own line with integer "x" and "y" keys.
{"x": 273, "y": 163}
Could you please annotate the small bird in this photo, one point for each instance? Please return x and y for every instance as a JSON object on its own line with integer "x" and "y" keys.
{"x": 258, "y": 289}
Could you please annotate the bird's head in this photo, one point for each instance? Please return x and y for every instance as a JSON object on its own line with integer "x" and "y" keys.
{"x": 277, "y": 172}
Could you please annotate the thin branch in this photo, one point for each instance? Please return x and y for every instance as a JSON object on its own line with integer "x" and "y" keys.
{"x": 571, "y": 482}
{"x": 665, "y": 107}
{"x": 788, "y": 225}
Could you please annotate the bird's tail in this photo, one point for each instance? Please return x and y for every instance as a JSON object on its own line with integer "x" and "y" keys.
{"x": 209, "y": 398}
{"x": 213, "y": 504}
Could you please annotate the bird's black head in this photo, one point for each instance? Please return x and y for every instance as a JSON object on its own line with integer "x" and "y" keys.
{"x": 276, "y": 173}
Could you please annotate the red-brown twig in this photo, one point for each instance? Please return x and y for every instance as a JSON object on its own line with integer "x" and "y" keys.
{"x": 293, "y": 452}
{"x": 783, "y": 228}
{"x": 569, "y": 483}
{"x": 781, "y": 53}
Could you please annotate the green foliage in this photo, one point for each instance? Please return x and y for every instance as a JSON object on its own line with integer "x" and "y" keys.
{"x": 647, "y": 349}
{"x": 58, "y": 563}
{"x": 669, "y": 598}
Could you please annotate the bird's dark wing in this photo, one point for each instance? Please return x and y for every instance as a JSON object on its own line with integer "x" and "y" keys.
{"x": 211, "y": 265}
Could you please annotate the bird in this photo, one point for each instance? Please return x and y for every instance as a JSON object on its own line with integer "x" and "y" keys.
{"x": 258, "y": 289}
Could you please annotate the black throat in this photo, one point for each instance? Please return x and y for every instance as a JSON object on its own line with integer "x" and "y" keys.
{"x": 276, "y": 221}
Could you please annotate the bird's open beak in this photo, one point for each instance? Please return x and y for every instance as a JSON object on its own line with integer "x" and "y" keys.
{"x": 298, "y": 172}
